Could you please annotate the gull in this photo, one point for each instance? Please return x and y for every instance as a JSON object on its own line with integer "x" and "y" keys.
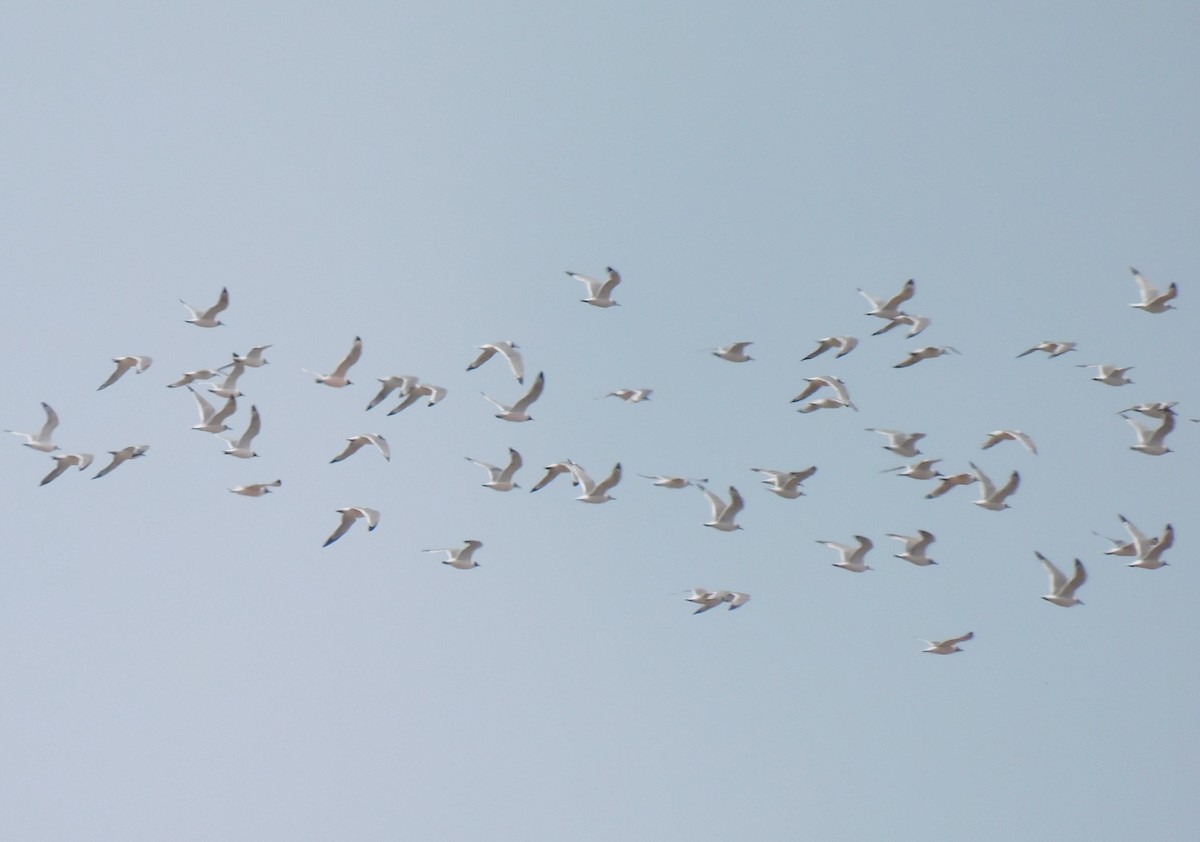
{"x": 1053, "y": 349}
{"x": 349, "y": 515}
{"x": 1153, "y": 301}
{"x": 211, "y": 419}
{"x": 402, "y": 382}
{"x": 41, "y": 439}
{"x": 599, "y": 293}
{"x": 251, "y": 359}
{"x": 64, "y": 461}
{"x": 241, "y": 449}
{"x": 852, "y": 557}
{"x": 1062, "y": 591}
{"x": 673, "y": 482}
{"x": 207, "y": 318}
{"x": 950, "y": 481}
{"x": 459, "y": 557}
{"x": 506, "y": 349}
{"x": 947, "y": 647}
{"x": 595, "y": 492}
{"x": 844, "y": 345}
{"x": 992, "y": 498}
{"x": 417, "y": 391}
{"x": 723, "y": 513}
{"x": 916, "y": 324}
{"x": 735, "y": 353}
{"x": 1156, "y": 409}
{"x": 190, "y": 377}
{"x": 1150, "y": 439}
{"x": 889, "y": 308}
{"x": 631, "y": 395}
{"x": 338, "y": 378}
{"x": 1148, "y": 551}
{"x": 1109, "y": 375}
{"x": 998, "y": 436}
{"x": 228, "y": 387}
{"x": 258, "y": 489}
{"x": 122, "y": 455}
{"x": 918, "y": 470}
{"x": 706, "y": 599}
{"x": 1120, "y": 547}
{"x": 900, "y": 443}
{"x": 355, "y": 443}
{"x": 519, "y": 411}
{"x": 825, "y": 403}
{"x": 553, "y": 471}
{"x": 826, "y": 381}
{"x": 915, "y": 547}
{"x": 926, "y": 353}
{"x": 786, "y": 483}
{"x": 123, "y": 365}
{"x": 736, "y": 599}
{"x": 501, "y": 479}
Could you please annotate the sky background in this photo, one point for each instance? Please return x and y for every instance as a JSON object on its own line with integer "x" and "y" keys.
{"x": 181, "y": 662}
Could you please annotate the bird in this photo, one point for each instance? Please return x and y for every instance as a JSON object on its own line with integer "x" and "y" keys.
{"x": 900, "y": 443}
{"x": 915, "y": 547}
{"x": 508, "y": 350}
{"x": 824, "y": 403}
{"x": 706, "y": 599}
{"x": 459, "y": 557}
{"x": 251, "y": 359}
{"x": 950, "y": 481}
{"x": 1147, "y": 551}
{"x": 844, "y": 345}
{"x": 1062, "y": 591}
{"x": 734, "y": 353}
{"x": 889, "y": 308}
{"x": 501, "y": 479}
{"x": 926, "y": 353}
{"x": 916, "y": 324}
{"x": 997, "y": 436}
{"x": 673, "y": 482}
{"x": 736, "y": 599}
{"x": 631, "y": 395}
{"x": 1153, "y": 301}
{"x": 241, "y": 448}
{"x": 992, "y": 498}
{"x": 826, "y": 381}
{"x": 786, "y": 483}
{"x": 257, "y": 489}
{"x": 338, "y": 378}
{"x": 1155, "y": 409}
{"x": 1052, "y": 349}
{"x": 852, "y": 558}
{"x": 207, "y": 318}
{"x": 212, "y": 420}
{"x": 190, "y": 377}
{"x": 355, "y": 443}
{"x": 947, "y": 647}
{"x": 1120, "y": 547}
{"x": 519, "y": 411}
{"x": 40, "y": 440}
{"x": 64, "y": 461}
{"x": 723, "y": 513}
{"x": 599, "y": 293}
{"x": 415, "y": 392}
{"x": 595, "y": 492}
{"x": 228, "y": 387}
{"x": 1150, "y": 439}
{"x": 122, "y": 455}
{"x": 1109, "y": 375}
{"x": 401, "y": 382}
{"x": 123, "y": 365}
{"x": 918, "y": 470}
{"x": 553, "y": 471}
{"x": 349, "y": 515}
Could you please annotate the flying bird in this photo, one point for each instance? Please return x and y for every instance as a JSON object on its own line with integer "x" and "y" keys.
{"x": 826, "y": 381}
{"x": 992, "y": 498}
{"x": 785, "y": 483}
{"x": 519, "y": 411}
{"x": 915, "y": 547}
{"x": 916, "y": 324}
{"x": 356, "y": 443}
{"x": 554, "y": 471}
{"x": 401, "y": 382}
{"x": 508, "y": 350}
{"x": 1062, "y": 590}
{"x": 947, "y": 647}
{"x": 459, "y": 558}
{"x": 258, "y": 489}
{"x": 672, "y": 482}
{"x": 1109, "y": 375}
{"x": 207, "y": 318}
{"x": 595, "y": 492}
{"x": 918, "y": 470}
{"x": 929, "y": 352}
{"x": 1153, "y": 301}
{"x": 190, "y": 377}
{"x": 599, "y": 293}
{"x": 122, "y": 455}
{"x": 212, "y": 420}
{"x": 415, "y": 392}
{"x": 501, "y": 479}
{"x": 734, "y": 353}
{"x": 64, "y": 461}
{"x": 853, "y": 558}
{"x": 844, "y": 345}
{"x": 349, "y": 515}
{"x": 1052, "y": 349}
{"x": 889, "y": 308}
{"x": 997, "y": 436}
{"x": 1155, "y": 409}
{"x": 337, "y": 379}
{"x": 228, "y": 387}
{"x": 251, "y": 359}
{"x": 1151, "y": 439}
{"x": 900, "y": 443}
{"x": 950, "y": 481}
{"x": 631, "y": 395}
{"x": 1146, "y": 550}
{"x": 40, "y": 440}
{"x": 123, "y": 365}
{"x": 723, "y": 513}
{"x": 241, "y": 448}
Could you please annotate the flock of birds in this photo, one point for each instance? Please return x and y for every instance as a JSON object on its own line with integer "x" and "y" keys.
{"x": 822, "y": 392}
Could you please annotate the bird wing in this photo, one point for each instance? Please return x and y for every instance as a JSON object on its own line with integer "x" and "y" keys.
{"x": 252, "y": 428}
{"x": 222, "y": 303}
{"x": 1141, "y": 543}
{"x": 117, "y": 458}
{"x": 954, "y": 641}
{"x": 380, "y": 442}
{"x": 552, "y": 471}
{"x": 1008, "y": 487}
{"x": 1057, "y": 579}
{"x": 610, "y": 283}
{"x": 593, "y": 285}
{"x": 350, "y": 359}
{"x": 486, "y": 352}
{"x": 823, "y": 345}
{"x": 535, "y": 392}
{"x": 206, "y": 409}
{"x": 1148, "y": 292}
{"x": 51, "y": 423}
{"x": 348, "y": 517}
{"x": 609, "y": 481}
{"x": 1076, "y": 580}
{"x": 61, "y": 465}
{"x": 736, "y": 503}
{"x": 515, "y": 462}
{"x": 352, "y": 446}
{"x": 123, "y": 365}
{"x": 989, "y": 487}
{"x": 1164, "y": 429}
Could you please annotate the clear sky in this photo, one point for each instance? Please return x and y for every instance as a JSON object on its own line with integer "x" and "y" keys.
{"x": 184, "y": 663}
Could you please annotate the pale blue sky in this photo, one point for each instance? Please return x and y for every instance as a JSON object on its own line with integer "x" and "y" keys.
{"x": 184, "y": 663}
